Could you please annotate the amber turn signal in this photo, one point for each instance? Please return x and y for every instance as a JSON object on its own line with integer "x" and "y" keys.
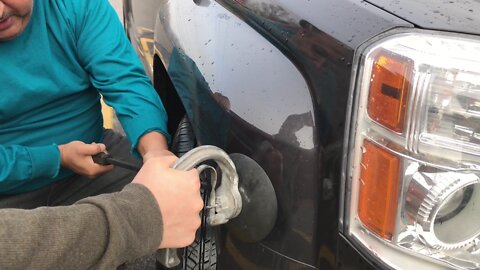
{"x": 389, "y": 89}
{"x": 378, "y": 198}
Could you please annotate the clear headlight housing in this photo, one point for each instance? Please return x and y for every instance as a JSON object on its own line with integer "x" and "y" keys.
{"x": 415, "y": 163}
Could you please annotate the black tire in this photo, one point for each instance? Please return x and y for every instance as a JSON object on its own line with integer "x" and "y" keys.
{"x": 202, "y": 253}
{"x": 183, "y": 140}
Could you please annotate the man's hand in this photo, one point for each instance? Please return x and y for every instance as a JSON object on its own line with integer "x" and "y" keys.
{"x": 77, "y": 156}
{"x": 178, "y": 196}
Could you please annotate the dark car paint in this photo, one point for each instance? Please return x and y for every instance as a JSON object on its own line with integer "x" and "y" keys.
{"x": 319, "y": 38}
{"x": 462, "y": 16}
{"x": 306, "y": 232}
{"x": 326, "y": 66}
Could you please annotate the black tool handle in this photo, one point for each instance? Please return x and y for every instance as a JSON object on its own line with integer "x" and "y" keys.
{"x": 101, "y": 158}
{"x": 107, "y": 159}
{"x": 123, "y": 164}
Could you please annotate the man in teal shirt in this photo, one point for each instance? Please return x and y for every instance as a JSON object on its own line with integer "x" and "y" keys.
{"x": 57, "y": 57}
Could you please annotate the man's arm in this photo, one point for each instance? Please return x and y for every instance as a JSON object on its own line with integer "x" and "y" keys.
{"x": 20, "y": 163}
{"x": 96, "y": 233}
{"x": 104, "y": 231}
{"x": 115, "y": 70}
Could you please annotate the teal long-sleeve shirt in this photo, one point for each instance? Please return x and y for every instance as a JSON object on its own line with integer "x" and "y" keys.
{"x": 51, "y": 78}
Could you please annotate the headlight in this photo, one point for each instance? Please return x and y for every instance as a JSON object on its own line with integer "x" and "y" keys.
{"x": 415, "y": 163}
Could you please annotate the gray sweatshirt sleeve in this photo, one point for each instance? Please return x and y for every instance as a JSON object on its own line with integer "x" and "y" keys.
{"x": 98, "y": 232}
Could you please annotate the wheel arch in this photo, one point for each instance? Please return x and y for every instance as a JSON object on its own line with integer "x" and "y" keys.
{"x": 166, "y": 90}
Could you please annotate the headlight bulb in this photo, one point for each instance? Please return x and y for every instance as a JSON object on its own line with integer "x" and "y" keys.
{"x": 455, "y": 204}
{"x": 444, "y": 206}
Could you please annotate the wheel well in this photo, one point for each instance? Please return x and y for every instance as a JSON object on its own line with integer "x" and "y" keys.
{"x": 165, "y": 89}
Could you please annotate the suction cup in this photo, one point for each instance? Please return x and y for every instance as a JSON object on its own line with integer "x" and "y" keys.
{"x": 259, "y": 202}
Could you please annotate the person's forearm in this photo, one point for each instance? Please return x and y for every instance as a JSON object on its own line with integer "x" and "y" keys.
{"x": 153, "y": 142}
{"x": 95, "y": 233}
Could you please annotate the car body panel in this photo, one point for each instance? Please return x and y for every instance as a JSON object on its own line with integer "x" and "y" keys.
{"x": 271, "y": 81}
{"x": 223, "y": 108}
{"x": 461, "y": 16}
{"x": 351, "y": 22}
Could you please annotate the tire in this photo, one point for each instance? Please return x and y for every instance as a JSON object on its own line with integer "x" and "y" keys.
{"x": 202, "y": 253}
{"x": 183, "y": 140}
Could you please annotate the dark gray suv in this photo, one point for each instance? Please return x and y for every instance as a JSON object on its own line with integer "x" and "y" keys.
{"x": 364, "y": 115}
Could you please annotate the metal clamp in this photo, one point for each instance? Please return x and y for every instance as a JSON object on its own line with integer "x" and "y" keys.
{"x": 226, "y": 198}
{"x": 224, "y": 202}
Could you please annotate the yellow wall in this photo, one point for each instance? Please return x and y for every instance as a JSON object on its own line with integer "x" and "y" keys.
{"x": 108, "y": 115}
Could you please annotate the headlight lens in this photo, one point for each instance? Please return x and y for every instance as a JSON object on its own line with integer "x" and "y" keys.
{"x": 415, "y": 164}
{"x": 444, "y": 207}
